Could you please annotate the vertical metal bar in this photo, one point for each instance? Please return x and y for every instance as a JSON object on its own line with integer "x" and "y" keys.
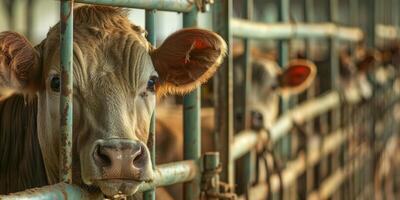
{"x": 211, "y": 163}
{"x": 283, "y": 48}
{"x": 150, "y": 16}
{"x": 395, "y": 15}
{"x": 371, "y": 19}
{"x": 191, "y": 123}
{"x": 66, "y": 47}
{"x": 224, "y": 90}
{"x": 29, "y": 19}
{"x": 241, "y": 92}
{"x": 371, "y": 23}
{"x": 334, "y": 75}
{"x": 309, "y": 175}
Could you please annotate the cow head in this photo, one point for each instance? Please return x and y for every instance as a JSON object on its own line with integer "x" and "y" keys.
{"x": 117, "y": 78}
{"x": 269, "y": 82}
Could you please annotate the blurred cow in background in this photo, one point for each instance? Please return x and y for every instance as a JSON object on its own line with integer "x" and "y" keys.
{"x": 269, "y": 81}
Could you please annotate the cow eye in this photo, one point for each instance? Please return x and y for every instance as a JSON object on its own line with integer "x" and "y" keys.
{"x": 151, "y": 84}
{"x": 55, "y": 84}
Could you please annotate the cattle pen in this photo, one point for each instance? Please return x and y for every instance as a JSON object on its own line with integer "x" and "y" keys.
{"x": 329, "y": 145}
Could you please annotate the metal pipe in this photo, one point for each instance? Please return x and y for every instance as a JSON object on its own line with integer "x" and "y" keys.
{"x": 245, "y": 165}
{"x": 60, "y": 191}
{"x": 371, "y": 18}
{"x": 150, "y": 16}
{"x": 211, "y": 164}
{"x": 304, "y": 112}
{"x": 262, "y": 31}
{"x": 332, "y": 182}
{"x": 167, "y": 174}
{"x": 66, "y": 40}
{"x": 191, "y": 123}
{"x": 316, "y": 151}
{"x": 223, "y": 90}
{"x": 173, "y": 173}
{"x": 164, "y": 5}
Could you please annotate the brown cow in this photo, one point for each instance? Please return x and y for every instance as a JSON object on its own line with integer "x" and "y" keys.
{"x": 117, "y": 78}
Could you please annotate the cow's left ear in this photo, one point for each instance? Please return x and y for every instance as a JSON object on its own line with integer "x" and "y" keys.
{"x": 186, "y": 59}
{"x": 297, "y": 77}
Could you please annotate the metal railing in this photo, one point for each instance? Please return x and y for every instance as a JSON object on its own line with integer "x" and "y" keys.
{"x": 231, "y": 147}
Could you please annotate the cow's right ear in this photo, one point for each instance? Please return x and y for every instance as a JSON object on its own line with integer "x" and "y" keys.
{"x": 297, "y": 77}
{"x": 19, "y": 63}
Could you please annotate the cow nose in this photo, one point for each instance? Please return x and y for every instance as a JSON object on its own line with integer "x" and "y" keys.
{"x": 123, "y": 159}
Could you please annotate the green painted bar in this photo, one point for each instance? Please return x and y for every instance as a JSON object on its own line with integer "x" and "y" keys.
{"x": 151, "y": 37}
{"x": 165, "y": 5}
{"x": 223, "y": 90}
{"x": 66, "y": 35}
{"x": 371, "y": 10}
{"x": 166, "y": 174}
{"x": 60, "y": 191}
{"x": 245, "y": 165}
{"x": 284, "y": 145}
{"x": 211, "y": 163}
{"x": 191, "y": 123}
{"x": 173, "y": 173}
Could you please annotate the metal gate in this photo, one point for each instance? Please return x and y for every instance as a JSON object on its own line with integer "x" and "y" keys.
{"x": 239, "y": 141}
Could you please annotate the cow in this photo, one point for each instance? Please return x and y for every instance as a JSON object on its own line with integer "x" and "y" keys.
{"x": 269, "y": 81}
{"x": 117, "y": 77}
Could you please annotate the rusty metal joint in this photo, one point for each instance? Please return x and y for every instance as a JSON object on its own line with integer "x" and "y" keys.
{"x": 202, "y": 5}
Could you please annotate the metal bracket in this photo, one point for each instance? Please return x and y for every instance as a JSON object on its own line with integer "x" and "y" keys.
{"x": 202, "y": 5}
{"x": 211, "y": 186}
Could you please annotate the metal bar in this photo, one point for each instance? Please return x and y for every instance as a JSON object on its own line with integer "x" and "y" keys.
{"x": 60, "y": 191}
{"x": 307, "y": 182}
{"x": 332, "y": 183}
{"x": 191, "y": 123}
{"x": 304, "y": 112}
{"x": 211, "y": 163}
{"x": 263, "y": 31}
{"x": 222, "y": 12}
{"x": 244, "y": 168}
{"x": 371, "y": 19}
{"x": 173, "y": 173}
{"x": 66, "y": 19}
{"x": 294, "y": 169}
{"x": 164, "y": 5}
{"x": 150, "y": 16}
{"x": 284, "y": 145}
{"x": 167, "y": 174}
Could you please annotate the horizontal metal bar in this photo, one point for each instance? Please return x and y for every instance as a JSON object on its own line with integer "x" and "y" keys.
{"x": 246, "y": 140}
{"x": 172, "y": 173}
{"x": 167, "y": 174}
{"x": 333, "y": 182}
{"x": 316, "y": 150}
{"x": 386, "y": 31}
{"x": 243, "y": 142}
{"x": 257, "y": 30}
{"x": 164, "y": 5}
{"x": 58, "y": 191}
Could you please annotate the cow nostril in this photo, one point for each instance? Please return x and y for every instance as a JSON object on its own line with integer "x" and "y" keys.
{"x": 101, "y": 158}
{"x": 138, "y": 155}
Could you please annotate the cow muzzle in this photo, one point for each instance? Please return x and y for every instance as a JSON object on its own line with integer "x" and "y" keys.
{"x": 124, "y": 165}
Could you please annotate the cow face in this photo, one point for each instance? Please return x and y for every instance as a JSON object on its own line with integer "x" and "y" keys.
{"x": 117, "y": 78}
{"x": 269, "y": 81}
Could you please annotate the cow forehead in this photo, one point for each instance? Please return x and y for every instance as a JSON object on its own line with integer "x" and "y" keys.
{"x": 121, "y": 53}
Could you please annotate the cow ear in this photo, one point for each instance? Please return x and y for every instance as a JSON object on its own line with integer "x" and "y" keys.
{"x": 186, "y": 59}
{"x": 19, "y": 66}
{"x": 297, "y": 77}
{"x": 367, "y": 62}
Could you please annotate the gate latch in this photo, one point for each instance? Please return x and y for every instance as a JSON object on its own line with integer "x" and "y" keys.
{"x": 211, "y": 186}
